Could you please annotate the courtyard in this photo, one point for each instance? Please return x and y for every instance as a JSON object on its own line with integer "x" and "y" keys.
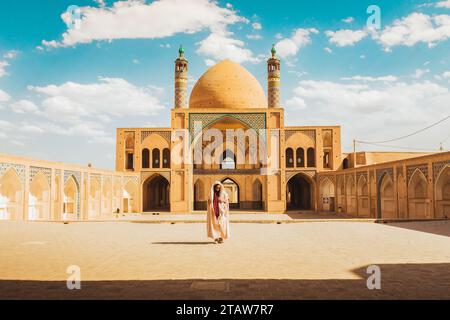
{"x": 309, "y": 260}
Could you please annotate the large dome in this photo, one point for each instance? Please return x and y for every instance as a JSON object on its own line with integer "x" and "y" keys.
{"x": 227, "y": 85}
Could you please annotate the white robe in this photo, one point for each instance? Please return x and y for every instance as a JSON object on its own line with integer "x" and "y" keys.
{"x": 218, "y": 227}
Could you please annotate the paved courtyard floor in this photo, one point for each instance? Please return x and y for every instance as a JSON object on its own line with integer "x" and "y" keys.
{"x": 321, "y": 260}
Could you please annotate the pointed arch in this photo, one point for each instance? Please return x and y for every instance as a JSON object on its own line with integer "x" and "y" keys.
{"x": 106, "y": 197}
{"x": 94, "y": 210}
{"x": 11, "y": 196}
{"x": 71, "y": 199}
{"x": 442, "y": 192}
{"x": 300, "y": 193}
{"x": 257, "y": 190}
{"x": 363, "y": 196}
{"x": 156, "y": 193}
{"x": 200, "y": 202}
{"x": 289, "y": 158}
{"x": 386, "y": 205}
{"x": 39, "y": 198}
{"x": 350, "y": 189}
{"x": 130, "y": 197}
{"x": 327, "y": 195}
{"x": 340, "y": 190}
{"x": 418, "y": 202}
{"x": 233, "y": 190}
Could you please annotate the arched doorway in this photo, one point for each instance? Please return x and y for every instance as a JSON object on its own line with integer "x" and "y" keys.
{"x": 94, "y": 199}
{"x": 418, "y": 204}
{"x": 232, "y": 189}
{"x": 71, "y": 199}
{"x": 327, "y": 195}
{"x": 351, "y": 196}
{"x": 130, "y": 192}
{"x": 200, "y": 202}
{"x": 257, "y": 195}
{"x": 363, "y": 197}
{"x": 386, "y": 202}
{"x": 443, "y": 194}
{"x": 10, "y": 196}
{"x": 39, "y": 198}
{"x": 299, "y": 193}
{"x": 156, "y": 194}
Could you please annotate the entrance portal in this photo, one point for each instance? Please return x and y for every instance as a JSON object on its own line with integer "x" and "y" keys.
{"x": 156, "y": 192}
{"x": 298, "y": 193}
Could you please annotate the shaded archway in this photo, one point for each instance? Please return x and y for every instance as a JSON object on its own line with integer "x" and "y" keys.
{"x": 107, "y": 197}
{"x": 156, "y": 194}
{"x": 418, "y": 204}
{"x": 257, "y": 195}
{"x": 39, "y": 198}
{"x": 200, "y": 202}
{"x": 327, "y": 195}
{"x": 443, "y": 194}
{"x": 299, "y": 193}
{"x": 71, "y": 199}
{"x": 11, "y": 196}
{"x": 386, "y": 204}
{"x": 232, "y": 188}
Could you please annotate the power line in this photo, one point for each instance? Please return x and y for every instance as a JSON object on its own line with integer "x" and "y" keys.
{"x": 408, "y": 135}
{"x": 398, "y": 147}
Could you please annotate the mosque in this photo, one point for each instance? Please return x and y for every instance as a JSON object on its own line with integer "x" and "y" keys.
{"x": 228, "y": 130}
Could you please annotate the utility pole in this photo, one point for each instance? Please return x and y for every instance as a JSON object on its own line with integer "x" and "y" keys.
{"x": 354, "y": 153}
{"x": 441, "y": 148}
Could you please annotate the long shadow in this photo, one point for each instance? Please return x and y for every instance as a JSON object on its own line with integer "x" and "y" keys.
{"x": 438, "y": 227}
{"x": 398, "y": 281}
{"x": 183, "y": 243}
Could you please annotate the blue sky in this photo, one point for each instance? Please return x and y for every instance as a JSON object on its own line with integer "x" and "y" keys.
{"x": 63, "y": 91}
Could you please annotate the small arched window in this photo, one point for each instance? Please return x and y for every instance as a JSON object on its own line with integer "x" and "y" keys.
{"x": 300, "y": 162}
{"x": 289, "y": 158}
{"x": 145, "y": 159}
{"x": 155, "y": 158}
{"x": 311, "y": 156}
{"x": 166, "y": 158}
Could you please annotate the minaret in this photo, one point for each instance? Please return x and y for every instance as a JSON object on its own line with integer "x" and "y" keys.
{"x": 181, "y": 80}
{"x": 273, "y": 80}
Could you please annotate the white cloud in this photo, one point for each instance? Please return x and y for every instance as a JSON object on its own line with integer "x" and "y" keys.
{"x": 446, "y": 74}
{"x": 220, "y": 46}
{"x": 254, "y": 37}
{"x": 24, "y": 106}
{"x": 413, "y": 29}
{"x": 3, "y": 65}
{"x": 348, "y": 20}
{"x": 327, "y": 50}
{"x": 11, "y": 54}
{"x": 209, "y": 62}
{"x": 443, "y": 4}
{"x": 256, "y": 26}
{"x": 4, "y": 96}
{"x": 419, "y": 73}
{"x": 115, "y": 97}
{"x": 345, "y": 37}
{"x": 371, "y": 110}
{"x": 388, "y": 78}
{"x": 289, "y": 47}
{"x": 136, "y": 19}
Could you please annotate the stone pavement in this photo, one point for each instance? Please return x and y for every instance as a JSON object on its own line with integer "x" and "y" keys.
{"x": 323, "y": 260}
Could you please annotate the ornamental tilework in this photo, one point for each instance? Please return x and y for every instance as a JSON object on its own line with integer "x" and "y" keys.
{"x": 411, "y": 169}
{"x": 382, "y": 172}
{"x": 309, "y": 133}
{"x": 255, "y": 121}
{"x": 46, "y": 171}
{"x": 20, "y": 170}
{"x": 438, "y": 167}
{"x": 164, "y": 134}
